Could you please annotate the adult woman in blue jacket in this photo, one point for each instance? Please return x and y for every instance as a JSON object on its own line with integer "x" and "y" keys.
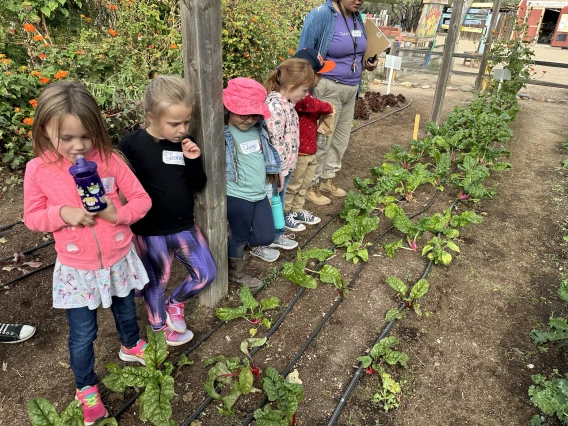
{"x": 336, "y": 30}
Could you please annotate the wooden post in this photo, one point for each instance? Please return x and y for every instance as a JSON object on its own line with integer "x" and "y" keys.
{"x": 445, "y": 67}
{"x": 201, "y": 36}
{"x": 488, "y": 43}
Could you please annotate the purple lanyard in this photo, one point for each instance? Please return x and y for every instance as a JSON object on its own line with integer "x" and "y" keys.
{"x": 354, "y": 39}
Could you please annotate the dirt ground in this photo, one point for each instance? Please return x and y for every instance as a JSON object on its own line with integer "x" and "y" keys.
{"x": 470, "y": 356}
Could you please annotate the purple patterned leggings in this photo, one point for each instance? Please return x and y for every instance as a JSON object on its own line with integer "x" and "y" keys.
{"x": 157, "y": 253}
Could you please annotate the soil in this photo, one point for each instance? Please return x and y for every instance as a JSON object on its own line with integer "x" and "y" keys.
{"x": 471, "y": 358}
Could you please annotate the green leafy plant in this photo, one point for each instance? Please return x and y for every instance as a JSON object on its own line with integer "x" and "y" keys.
{"x": 352, "y": 234}
{"x": 557, "y": 332}
{"x": 550, "y": 395}
{"x": 380, "y": 355}
{"x": 233, "y": 373}
{"x": 298, "y": 273}
{"x": 437, "y": 250}
{"x": 409, "y": 299}
{"x": 155, "y": 377}
{"x": 285, "y": 393}
{"x": 251, "y": 309}
{"x": 42, "y": 413}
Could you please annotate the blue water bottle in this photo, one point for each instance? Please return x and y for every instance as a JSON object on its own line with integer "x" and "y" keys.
{"x": 89, "y": 184}
{"x": 277, "y": 212}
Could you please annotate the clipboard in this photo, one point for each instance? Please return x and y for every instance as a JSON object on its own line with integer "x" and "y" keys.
{"x": 377, "y": 42}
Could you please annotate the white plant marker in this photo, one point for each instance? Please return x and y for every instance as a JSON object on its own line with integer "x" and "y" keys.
{"x": 392, "y": 63}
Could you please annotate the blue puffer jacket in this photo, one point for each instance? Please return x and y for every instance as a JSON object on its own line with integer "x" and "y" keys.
{"x": 319, "y": 27}
{"x": 271, "y": 157}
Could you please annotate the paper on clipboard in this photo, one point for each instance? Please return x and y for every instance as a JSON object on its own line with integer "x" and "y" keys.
{"x": 377, "y": 42}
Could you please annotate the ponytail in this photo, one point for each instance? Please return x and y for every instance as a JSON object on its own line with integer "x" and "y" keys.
{"x": 292, "y": 72}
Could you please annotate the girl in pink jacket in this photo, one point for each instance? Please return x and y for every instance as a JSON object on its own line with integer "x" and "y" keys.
{"x": 96, "y": 261}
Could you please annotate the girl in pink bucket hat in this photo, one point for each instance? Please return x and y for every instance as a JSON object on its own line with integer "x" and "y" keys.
{"x": 251, "y": 162}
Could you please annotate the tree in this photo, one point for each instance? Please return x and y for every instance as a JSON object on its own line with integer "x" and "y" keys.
{"x": 407, "y": 12}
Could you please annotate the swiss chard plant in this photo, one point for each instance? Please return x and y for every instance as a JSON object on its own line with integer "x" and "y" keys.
{"x": 42, "y": 413}
{"x": 410, "y": 299}
{"x": 285, "y": 394}
{"x": 251, "y": 309}
{"x": 550, "y": 395}
{"x": 557, "y": 332}
{"x": 437, "y": 250}
{"x": 418, "y": 176}
{"x": 298, "y": 272}
{"x": 155, "y": 377}
{"x": 234, "y": 374}
{"x": 383, "y": 354}
{"x": 352, "y": 234}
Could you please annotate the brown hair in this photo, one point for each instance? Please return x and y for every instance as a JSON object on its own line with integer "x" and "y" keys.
{"x": 166, "y": 90}
{"x": 292, "y": 72}
{"x": 59, "y": 100}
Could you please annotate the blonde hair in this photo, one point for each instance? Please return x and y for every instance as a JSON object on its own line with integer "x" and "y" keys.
{"x": 166, "y": 90}
{"x": 57, "y": 101}
{"x": 292, "y": 72}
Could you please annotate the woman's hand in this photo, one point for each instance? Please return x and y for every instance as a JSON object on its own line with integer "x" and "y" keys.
{"x": 190, "y": 149}
{"x": 77, "y": 216}
{"x": 280, "y": 183}
{"x": 370, "y": 66}
{"x": 109, "y": 214}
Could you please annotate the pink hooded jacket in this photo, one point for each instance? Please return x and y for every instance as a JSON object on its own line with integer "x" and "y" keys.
{"x": 48, "y": 187}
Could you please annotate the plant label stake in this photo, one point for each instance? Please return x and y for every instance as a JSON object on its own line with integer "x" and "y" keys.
{"x": 416, "y": 125}
{"x": 392, "y": 63}
{"x": 501, "y": 75}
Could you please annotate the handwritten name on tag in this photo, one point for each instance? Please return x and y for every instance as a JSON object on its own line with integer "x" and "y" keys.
{"x": 250, "y": 146}
{"x": 173, "y": 157}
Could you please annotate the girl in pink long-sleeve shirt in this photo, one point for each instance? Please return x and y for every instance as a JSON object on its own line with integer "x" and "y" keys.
{"x": 96, "y": 261}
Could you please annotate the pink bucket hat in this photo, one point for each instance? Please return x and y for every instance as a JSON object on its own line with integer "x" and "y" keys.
{"x": 245, "y": 96}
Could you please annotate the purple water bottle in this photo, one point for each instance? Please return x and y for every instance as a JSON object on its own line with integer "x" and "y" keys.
{"x": 89, "y": 184}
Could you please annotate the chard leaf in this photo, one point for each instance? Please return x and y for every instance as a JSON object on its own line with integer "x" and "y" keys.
{"x": 266, "y": 322}
{"x": 394, "y": 357}
{"x": 270, "y": 417}
{"x": 227, "y": 314}
{"x": 184, "y": 360}
{"x": 269, "y": 383}
{"x": 42, "y": 413}
{"x": 563, "y": 290}
{"x": 219, "y": 372}
{"x": 73, "y": 415}
{"x": 245, "y": 380}
{"x": 426, "y": 249}
{"x": 270, "y": 303}
{"x": 315, "y": 253}
{"x": 331, "y": 275}
{"x": 417, "y": 309}
{"x": 251, "y": 342}
{"x": 558, "y": 324}
{"x": 105, "y": 422}
{"x": 397, "y": 285}
{"x": 452, "y": 246}
{"x": 230, "y": 399}
{"x": 446, "y": 258}
{"x": 419, "y": 289}
{"x": 157, "y": 349}
{"x": 120, "y": 378}
{"x": 342, "y": 235}
{"x": 363, "y": 254}
{"x": 247, "y": 298}
{"x": 501, "y": 165}
{"x": 383, "y": 346}
{"x": 295, "y": 273}
{"x": 390, "y": 248}
{"x": 393, "y": 314}
{"x": 365, "y": 361}
{"x": 156, "y": 401}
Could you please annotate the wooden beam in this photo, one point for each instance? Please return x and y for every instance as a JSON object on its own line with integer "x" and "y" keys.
{"x": 488, "y": 43}
{"x": 446, "y": 65}
{"x": 202, "y": 57}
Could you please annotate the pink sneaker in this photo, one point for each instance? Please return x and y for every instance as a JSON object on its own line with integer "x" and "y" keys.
{"x": 135, "y": 354}
{"x": 173, "y": 338}
{"x": 90, "y": 400}
{"x": 174, "y": 317}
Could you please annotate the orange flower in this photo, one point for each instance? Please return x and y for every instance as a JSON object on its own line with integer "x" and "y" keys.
{"x": 30, "y": 134}
{"x": 29, "y": 28}
{"x": 151, "y": 46}
{"x": 112, "y": 32}
{"x": 281, "y": 58}
{"x": 36, "y": 73}
{"x": 38, "y": 37}
{"x": 44, "y": 80}
{"x": 173, "y": 46}
{"x": 60, "y": 74}
{"x": 13, "y": 31}
{"x": 253, "y": 19}
{"x": 8, "y": 72}
{"x": 113, "y": 7}
{"x": 47, "y": 45}
{"x": 292, "y": 51}
{"x": 29, "y": 121}
{"x": 41, "y": 56}
{"x": 17, "y": 109}
{"x": 79, "y": 52}
{"x": 89, "y": 20}
{"x": 33, "y": 103}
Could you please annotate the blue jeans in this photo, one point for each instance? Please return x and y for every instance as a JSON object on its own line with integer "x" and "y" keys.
{"x": 282, "y": 195}
{"x": 250, "y": 222}
{"x": 83, "y": 332}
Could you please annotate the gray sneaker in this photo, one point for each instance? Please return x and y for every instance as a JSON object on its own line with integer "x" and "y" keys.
{"x": 265, "y": 253}
{"x": 284, "y": 242}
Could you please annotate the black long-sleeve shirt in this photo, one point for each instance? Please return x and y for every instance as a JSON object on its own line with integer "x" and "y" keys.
{"x": 168, "y": 177}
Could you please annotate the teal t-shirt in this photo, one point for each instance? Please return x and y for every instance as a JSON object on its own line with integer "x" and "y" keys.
{"x": 250, "y": 166}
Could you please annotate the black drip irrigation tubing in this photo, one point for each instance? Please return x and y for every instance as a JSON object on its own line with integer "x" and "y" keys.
{"x": 28, "y": 251}
{"x": 381, "y": 117}
{"x": 3, "y": 228}
{"x": 21, "y": 277}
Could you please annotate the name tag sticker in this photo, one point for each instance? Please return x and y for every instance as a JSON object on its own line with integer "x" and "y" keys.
{"x": 108, "y": 184}
{"x": 356, "y": 33}
{"x": 250, "y": 146}
{"x": 173, "y": 157}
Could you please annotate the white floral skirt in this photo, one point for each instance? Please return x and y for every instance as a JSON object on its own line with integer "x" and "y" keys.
{"x": 77, "y": 288}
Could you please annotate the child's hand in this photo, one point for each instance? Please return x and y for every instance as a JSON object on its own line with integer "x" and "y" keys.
{"x": 76, "y": 216}
{"x": 190, "y": 149}
{"x": 109, "y": 214}
{"x": 280, "y": 183}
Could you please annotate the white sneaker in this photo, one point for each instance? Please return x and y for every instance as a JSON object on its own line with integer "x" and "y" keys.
{"x": 284, "y": 242}
{"x": 265, "y": 253}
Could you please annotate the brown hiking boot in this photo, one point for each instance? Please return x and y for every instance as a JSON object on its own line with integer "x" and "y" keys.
{"x": 315, "y": 196}
{"x": 329, "y": 187}
{"x": 237, "y": 274}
